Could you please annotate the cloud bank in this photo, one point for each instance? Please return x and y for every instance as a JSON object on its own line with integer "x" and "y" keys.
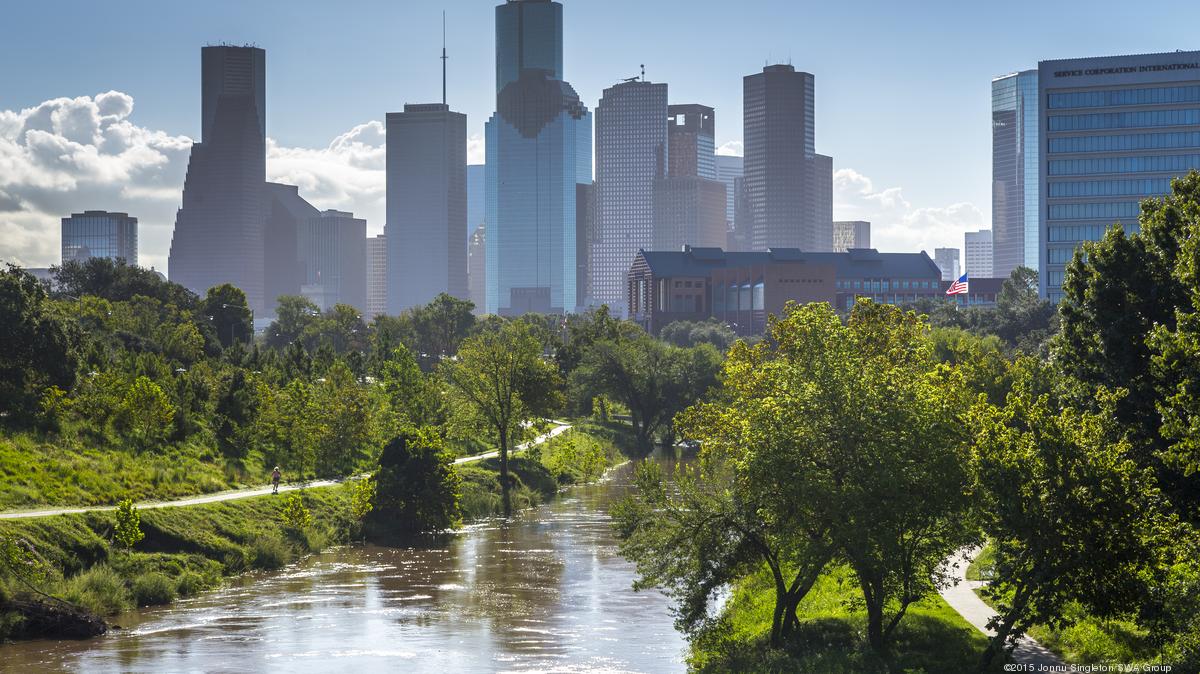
{"x": 896, "y": 224}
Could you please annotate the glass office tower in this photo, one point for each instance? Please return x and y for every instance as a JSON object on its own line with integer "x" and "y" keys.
{"x": 1014, "y": 172}
{"x": 1114, "y": 130}
{"x": 538, "y": 152}
{"x": 100, "y": 234}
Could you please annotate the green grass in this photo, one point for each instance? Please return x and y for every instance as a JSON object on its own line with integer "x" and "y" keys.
{"x": 55, "y": 471}
{"x": 185, "y": 550}
{"x": 981, "y": 566}
{"x": 932, "y": 638}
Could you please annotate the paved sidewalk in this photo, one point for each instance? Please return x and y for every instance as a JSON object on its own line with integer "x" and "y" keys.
{"x": 962, "y": 598}
{"x": 261, "y": 491}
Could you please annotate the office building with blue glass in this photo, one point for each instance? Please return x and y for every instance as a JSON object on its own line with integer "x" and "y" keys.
{"x": 100, "y": 234}
{"x": 538, "y": 153}
{"x": 1015, "y": 222}
{"x": 1114, "y": 131}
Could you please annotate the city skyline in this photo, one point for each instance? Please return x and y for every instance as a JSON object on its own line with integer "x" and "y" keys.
{"x": 334, "y": 150}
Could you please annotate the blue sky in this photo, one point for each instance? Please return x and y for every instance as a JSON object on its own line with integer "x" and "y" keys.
{"x": 902, "y": 89}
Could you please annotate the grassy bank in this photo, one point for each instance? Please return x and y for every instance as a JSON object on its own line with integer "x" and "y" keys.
{"x": 932, "y": 638}
{"x": 56, "y": 471}
{"x": 185, "y": 550}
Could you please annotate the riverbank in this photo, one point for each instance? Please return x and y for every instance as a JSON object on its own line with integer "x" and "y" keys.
{"x": 932, "y": 638}
{"x": 188, "y": 549}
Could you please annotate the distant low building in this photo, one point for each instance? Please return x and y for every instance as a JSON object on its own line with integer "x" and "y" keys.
{"x": 741, "y": 289}
{"x": 333, "y": 248}
{"x": 100, "y": 234}
{"x": 947, "y": 260}
{"x": 848, "y": 234}
{"x": 981, "y": 292}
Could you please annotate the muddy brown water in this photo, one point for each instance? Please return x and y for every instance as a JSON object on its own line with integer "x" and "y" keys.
{"x": 545, "y": 592}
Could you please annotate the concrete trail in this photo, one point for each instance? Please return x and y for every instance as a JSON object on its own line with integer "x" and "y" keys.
{"x": 234, "y": 495}
{"x": 962, "y": 598}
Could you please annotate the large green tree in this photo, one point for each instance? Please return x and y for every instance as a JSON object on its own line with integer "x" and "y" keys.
{"x": 498, "y": 383}
{"x": 36, "y": 349}
{"x": 225, "y": 305}
{"x": 416, "y": 489}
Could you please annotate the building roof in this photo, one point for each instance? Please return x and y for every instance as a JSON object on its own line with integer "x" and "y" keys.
{"x": 855, "y": 263}
{"x": 289, "y": 197}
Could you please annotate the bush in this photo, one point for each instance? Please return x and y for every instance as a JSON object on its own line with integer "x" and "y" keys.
{"x": 295, "y": 515}
{"x": 269, "y": 552}
{"x": 128, "y": 528}
{"x": 100, "y": 590}
{"x": 189, "y": 583}
{"x": 153, "y": 589}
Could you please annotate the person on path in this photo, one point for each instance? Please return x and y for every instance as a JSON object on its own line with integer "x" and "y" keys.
{"x": 275, "y": 476}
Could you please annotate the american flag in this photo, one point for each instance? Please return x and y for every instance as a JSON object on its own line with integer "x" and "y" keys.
{"x": 959, "y": 287}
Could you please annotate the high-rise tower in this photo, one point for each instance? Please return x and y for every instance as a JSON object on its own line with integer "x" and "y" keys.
{"x": 789, "y": 185}
{"x": 538, "y": 152}
{"x": 689, "y": 201}
{"x": 219, "y": 229}
{"x": 1014, "y": 172}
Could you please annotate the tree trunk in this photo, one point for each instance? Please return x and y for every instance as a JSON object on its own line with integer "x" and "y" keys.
{"x": 998, "y": 643}
{"x": 505, "y": 497}
{"x": 874, "y": 601}
{"x": 780, "y": 613}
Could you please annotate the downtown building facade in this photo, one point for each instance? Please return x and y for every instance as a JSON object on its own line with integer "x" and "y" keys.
{"x": 377, "y": 258}
{"x": 287, "y": 213}
{"x": 538, "y": 145}
{"x": 977, "y": 253}
{"x": 426, "y": 228}
{"x": 1113, "y": 131}
{"x": 947, "y": 260}
{"x": 789, "y": 186}
{"x": 100, "y": 234}
{"x": 848, "y": 234}
{"x": 690, "y": 200}
{"x": 631, "y": 155}
{"x": 731, "y": 171}
{"x": 333, "y": 252}
{"x": 219, "y": 232}
{"x": 1015, "y": 181}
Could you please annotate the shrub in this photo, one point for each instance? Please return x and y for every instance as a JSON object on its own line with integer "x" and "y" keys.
{"x": 269, "y": 552}
{"x": 189, "y": 583}
{"x": 100, "y": 590}
{"x": 152, "y": 589}
{"x": 295, "y": 515}
{"x": 128, "y": 529}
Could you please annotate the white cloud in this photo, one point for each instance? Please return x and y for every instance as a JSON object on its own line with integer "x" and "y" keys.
{"x": 475, "y": 149}
{"x": 71, "y": 154}
{"x": 733, "y": 148}
{"x": 896, "y": 224}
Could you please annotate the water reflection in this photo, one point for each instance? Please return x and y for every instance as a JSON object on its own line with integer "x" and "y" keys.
{"x": 546, "y": 592}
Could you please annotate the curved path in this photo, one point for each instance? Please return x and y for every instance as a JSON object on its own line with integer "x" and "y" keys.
{"x": 234, "y": 495}
{"x": 962, "y": 598}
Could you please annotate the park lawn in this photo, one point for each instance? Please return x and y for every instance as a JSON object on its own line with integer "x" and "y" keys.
{"x": 52, "y": 471}
{"x": 932, "y": 638}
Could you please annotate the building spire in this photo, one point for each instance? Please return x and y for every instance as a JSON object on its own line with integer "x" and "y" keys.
{"x": 444, "y": 57}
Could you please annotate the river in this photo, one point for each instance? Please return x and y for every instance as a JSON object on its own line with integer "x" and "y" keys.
{"x": 545, "y": 592}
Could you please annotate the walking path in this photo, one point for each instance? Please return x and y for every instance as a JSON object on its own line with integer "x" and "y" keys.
{"x": 962, "y": 598}
{"x": 234, "y": 495}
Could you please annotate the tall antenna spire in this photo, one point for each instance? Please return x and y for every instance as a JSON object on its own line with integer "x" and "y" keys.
{"x": 444, "y": 57}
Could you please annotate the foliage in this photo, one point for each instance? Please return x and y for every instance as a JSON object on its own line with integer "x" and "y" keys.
{"x": 36, "y": 348}
{"x": 229, "y": 312}
{"x": 362, "y": 499}
{"x": 574, "y": 457}
{"x": 416, "y": 489}
{"x": 654, "y": 380}
{"x": 127, "y": 531}
{"x": 146, "y": 412}
{"x": 118, "y": 281}
{"x": 152, "y": 589}
{"x": 295, "y": 515}
{"x": 498, "y": 383}
{"x": 693, "y": 333}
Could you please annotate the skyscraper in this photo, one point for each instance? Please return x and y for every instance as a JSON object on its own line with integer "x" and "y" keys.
{"x": 283, "y": 270}
{"x": 1014, "y": 172}
{"x": 219, "y": 230}
{"x": 477, "y": 269}
{"x": 1113, "y": 131}
{"x": 977, "y": 253}
{"x": 729, "y": 169}
{"x": 476, "y": 196}
{"x": 631, "y": 152}
{"x": 689, "y": 201}
{"x": 426, "y": 205}
{"x": 849, "y": 234}
{"x": 789, "y": 185}
{"x": 376, "y": 276}
{"x": 947, "y": 261}
{"x": 333, "y": 248}
{"x": 100, "y": 234}
{"x": 538, "y": 151}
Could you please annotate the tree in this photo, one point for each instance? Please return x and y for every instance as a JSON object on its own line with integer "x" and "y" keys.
{"x": 585, "y": 330}
{"x": 225, "y": 305}
{"x": 146, "y": 411}
{"x": 441, "y": 326}
{"x": 413, "y": 397}
{"x": 498, "y": 383}
{"x": 236, "y": 411}
{"x": 36, "y": 349}
{"x": 118, "y": 281}
{"x": 853, "y": 434}
{"x": 294, "y": 315}
{"x": 1071, "y": 516}
{"x": 693, "y": 333}
{"x": 343, "y": 422}
{"x": 416, "y": 489}
{"x": 654, "y": 380}
{"x": 127, "y": 531}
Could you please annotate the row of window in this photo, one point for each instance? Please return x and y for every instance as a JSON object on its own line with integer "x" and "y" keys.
{"x": 882, "y": 285}
{"x": 1097, "y": 99}
{"x": 1104, "y": 188}
{"x": 1174, "y": 163}
{"x": 1059, "y": 255}
{"x": 1112, "y": 209}
{"x": 1066, "y": 233}
{"x": 738, "y": 298}
{"x": 1124, "y": 120}
{"x": 1135, "y": 141}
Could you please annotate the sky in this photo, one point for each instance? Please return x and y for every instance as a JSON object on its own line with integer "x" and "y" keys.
{"x": 99, "y": 101}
